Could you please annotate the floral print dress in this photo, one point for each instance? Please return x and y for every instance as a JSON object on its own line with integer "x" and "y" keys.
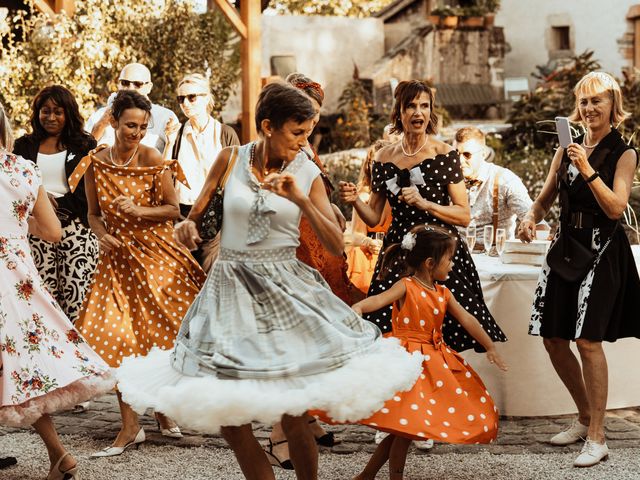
{"x": 45, "y": 365}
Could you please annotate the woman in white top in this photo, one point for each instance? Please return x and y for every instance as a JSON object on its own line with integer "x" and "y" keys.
{"x": 56, "y": 144}
{"x": 266, "y": 339}
{"x": 198, "y": 141}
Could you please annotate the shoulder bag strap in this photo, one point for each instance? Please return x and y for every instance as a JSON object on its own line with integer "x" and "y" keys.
{"x": 232, "y": 161}
{"x": 496, "y": 203}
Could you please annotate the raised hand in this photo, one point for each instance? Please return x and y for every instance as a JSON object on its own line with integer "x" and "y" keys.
{"x": 186, "y": 233}
{"x": 284, "y": 184}
{"x": 348, "y": 192}
{"x": 126, "y": 205}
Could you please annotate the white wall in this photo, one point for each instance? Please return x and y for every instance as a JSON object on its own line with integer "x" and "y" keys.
{"x": 325, "y": 49}
{"x": 595, "y": 25}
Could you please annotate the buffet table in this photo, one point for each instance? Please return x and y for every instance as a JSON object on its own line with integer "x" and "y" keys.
{"x": 531, "y": 387}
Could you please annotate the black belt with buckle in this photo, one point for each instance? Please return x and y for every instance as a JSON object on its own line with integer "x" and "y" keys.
{"x": 583, "y": 220}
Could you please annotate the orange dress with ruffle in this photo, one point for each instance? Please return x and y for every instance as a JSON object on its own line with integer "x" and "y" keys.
{"x": 311, "y": 251}
{"x": 141, "y": 290}
{"x": 448, "y": 403}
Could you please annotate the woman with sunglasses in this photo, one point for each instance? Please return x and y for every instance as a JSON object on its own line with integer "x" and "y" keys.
{"x": 144, "y": 282}
{"x": 198, "y": 142}
{"x": 56, "y": 144}
{"x": 421, "y": 179}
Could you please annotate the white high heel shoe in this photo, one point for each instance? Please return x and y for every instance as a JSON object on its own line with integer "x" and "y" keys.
{"x": 57, "y": 474}
{"x": 115, "y": 451}
{"x": 173, "y": 432}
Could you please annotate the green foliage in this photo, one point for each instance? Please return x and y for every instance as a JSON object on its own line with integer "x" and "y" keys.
{"x": 341, "y": 8}
{"x": 86, "y": 52}
{"x": 352, "y": 127}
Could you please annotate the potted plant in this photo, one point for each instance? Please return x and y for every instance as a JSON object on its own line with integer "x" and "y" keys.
{"x": 448, "y": 17}
{"x": 473, "y": 16}
{"x": 491, "y": 6}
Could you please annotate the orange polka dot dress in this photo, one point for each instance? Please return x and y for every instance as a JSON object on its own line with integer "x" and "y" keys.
{"x": 140, "y": 291}
{"x": 449, "y": 402}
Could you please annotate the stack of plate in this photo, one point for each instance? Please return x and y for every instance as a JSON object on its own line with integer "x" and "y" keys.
{"x": 525, "y": 253}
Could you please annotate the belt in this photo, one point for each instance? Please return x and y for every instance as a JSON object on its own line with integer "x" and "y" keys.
{"x": 582, "y": 220}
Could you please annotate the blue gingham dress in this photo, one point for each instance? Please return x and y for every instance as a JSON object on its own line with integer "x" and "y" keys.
{"x": 266, "y": 336}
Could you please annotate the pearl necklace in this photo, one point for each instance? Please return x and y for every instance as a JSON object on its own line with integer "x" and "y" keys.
{"x": 414, "y": 153}
{"x": 428, "y": 287}
{"x": 590, "y": 147}
{"x": 265, "y": 171}
{"x": 125, "y": 163}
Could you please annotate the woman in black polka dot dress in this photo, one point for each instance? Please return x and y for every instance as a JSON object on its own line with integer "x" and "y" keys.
{"x": 422, "y": 180}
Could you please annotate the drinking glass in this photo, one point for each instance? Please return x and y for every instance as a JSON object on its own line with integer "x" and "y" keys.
{"x": 379, "y": 240}
{"x": 488, "y": 238}
{"x": 501, "y": 238}
{"x": 471, "y": 236}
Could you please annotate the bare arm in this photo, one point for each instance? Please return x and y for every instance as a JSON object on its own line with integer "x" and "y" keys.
{"x": 186, "y": 232}
{"x": 376, "y": 302}
{"x": 106, "y": 241}
{"x": 43, "y": 222}
{"x": 471, "y": 325}
{"x": 315, "y": 207}
{"x": 101, "y": 125}
{"x": 613, "y": 202}
{"x": 456, "y": 213}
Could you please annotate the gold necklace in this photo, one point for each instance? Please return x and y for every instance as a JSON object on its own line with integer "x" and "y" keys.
{"x": 428, "y": 287}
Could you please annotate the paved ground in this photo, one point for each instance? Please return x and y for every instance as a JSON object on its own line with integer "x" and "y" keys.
{"x": 520, "y": 453}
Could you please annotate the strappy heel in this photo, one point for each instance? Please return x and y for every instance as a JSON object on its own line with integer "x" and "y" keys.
{"x": 275, "y": 461}
{"x": 57, "y": 474}
{"x": 326, "y": 440}
{"x": 173, "y": 432}
{"x": 115, "y": 451}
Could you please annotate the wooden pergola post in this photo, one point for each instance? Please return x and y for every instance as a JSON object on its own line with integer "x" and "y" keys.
{"x": 247, "y": 24}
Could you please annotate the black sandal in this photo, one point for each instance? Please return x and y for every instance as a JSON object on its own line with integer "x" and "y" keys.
{"x": 275, "y": 461}
{"x": 6, "y": 462}
{"x": 326, "y": 440}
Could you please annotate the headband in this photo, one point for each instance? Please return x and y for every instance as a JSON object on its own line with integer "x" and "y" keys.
{"x": 312, "y": 85}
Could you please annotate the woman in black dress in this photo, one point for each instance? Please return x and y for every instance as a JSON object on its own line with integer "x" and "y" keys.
{"x": 422, "y": 180}
{"x": 593, "y": 177}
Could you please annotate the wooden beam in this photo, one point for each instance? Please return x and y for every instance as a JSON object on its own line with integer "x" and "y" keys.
{"x": 44, "y": 7}
{"x": 251, "y": 56}
{"x": 232, "y": 15}
{"x": 69, "y": 6}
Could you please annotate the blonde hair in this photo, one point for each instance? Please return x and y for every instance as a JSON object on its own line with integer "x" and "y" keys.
{"x": 201, "y": 81}
{"x": 469, "y": 133}
{"x": 6, "y": 135}
{"x": 594, "y": 83}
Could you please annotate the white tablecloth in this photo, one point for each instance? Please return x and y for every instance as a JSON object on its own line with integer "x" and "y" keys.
{"x": 531, "y": 387}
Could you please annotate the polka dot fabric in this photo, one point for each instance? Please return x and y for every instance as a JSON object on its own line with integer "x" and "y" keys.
{"x": 141, "y": 291}
{"x": 463, "y": 281}
{"x": 449, "y": 402}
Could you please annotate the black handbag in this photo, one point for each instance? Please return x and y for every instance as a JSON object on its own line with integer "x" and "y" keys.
{"x": 568, "y": 258}
{"x": 212, "y": 218}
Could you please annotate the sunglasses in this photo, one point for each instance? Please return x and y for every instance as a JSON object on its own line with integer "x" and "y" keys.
{"x": 468, "y": 155}
{"x": 191, "y": 97}
{"x": 127, "y": 83}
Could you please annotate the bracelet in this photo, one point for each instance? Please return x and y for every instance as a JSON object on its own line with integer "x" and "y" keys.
{"x": 592, "y": 177}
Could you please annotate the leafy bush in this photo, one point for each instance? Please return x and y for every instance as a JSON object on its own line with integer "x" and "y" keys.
{"x": 86, "y": 52}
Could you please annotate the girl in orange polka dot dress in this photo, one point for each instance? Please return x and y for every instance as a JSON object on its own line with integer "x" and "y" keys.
{"x": 144, "y": 281}
{"x": 449, "y": 402}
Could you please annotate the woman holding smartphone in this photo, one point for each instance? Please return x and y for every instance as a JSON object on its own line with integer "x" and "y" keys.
{"x": 593, "y": 177}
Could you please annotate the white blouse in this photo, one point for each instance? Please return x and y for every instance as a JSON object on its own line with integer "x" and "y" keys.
{"x": 54, "y": 177}
{"x": 198, "y": 152}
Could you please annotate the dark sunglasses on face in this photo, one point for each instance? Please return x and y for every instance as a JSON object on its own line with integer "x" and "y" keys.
{"x": 191, "y": 97}
{"x": 467, "y": 155}
{"x": 127, "y": 83}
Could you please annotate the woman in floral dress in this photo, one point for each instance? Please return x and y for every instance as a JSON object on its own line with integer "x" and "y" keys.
{"x": 45, "y": 365}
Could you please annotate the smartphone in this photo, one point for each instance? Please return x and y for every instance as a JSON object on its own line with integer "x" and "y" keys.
{"x": 564, "y": 131}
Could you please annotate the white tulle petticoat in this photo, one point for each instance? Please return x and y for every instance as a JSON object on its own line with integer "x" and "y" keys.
{"x": 348, "y": 393}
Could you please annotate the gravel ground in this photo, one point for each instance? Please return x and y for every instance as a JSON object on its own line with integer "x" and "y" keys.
{"x": 166, "y": 462}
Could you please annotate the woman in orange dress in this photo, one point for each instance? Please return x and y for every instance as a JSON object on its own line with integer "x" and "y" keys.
{"x": 362, "y": 258}
{"x": 449, "y": 402}
{"x": 144, "y": 282}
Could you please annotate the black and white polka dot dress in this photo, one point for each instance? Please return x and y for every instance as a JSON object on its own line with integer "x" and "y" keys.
{"x": 463, "y": 281}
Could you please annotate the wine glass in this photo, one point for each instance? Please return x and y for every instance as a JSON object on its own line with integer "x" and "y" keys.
{"x": 488, "y": 238}
{"x": 471, "y": 236}
{"x": 501, "y": 238}
{"x": 379, "y": 240}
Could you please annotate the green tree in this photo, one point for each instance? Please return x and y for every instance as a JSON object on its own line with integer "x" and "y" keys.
{"x": 86, "y": 52}
{"x": 342, "y": 8}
